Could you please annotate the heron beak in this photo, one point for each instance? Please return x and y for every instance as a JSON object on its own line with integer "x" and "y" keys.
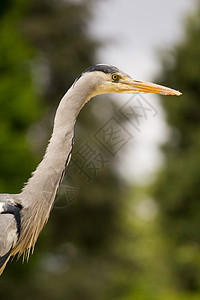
{"x": 136, "y": 86}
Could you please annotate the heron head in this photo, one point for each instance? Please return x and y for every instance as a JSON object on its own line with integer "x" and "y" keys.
{"x": 109, "y": 79}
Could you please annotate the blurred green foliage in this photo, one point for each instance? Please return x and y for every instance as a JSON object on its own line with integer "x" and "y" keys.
{"x": 77, "y": 254}
{"x": 103, "y": 240}
{"x": 177, "y": 190}
{"x": 19, "y": 105}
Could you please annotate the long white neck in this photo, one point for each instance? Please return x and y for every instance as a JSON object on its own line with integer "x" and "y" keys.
{"x": 39, "y": 193}
{"x": 45, "y": 180}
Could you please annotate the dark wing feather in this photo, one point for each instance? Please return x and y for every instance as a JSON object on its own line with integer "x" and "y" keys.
{"x": 5, "y": 257}
{"x": 8, "y": 238}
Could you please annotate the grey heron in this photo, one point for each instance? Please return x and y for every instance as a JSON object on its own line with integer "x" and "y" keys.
{"x": 23, "y": 215}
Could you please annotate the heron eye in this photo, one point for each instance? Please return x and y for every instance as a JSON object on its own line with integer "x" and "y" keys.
{"x": 115, "y": 77}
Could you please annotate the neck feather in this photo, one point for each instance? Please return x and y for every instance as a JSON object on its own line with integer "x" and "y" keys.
{"x": 39, "y": 193}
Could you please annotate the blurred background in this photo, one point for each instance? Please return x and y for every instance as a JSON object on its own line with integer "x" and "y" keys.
{"x": 126, "y": 219}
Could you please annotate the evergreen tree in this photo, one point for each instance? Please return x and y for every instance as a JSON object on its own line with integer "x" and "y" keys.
{"x": 177, "y": 188}
{"x": 19, "y": 106}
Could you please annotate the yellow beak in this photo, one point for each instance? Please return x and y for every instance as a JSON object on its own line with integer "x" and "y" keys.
{"x": 137, "y": 86}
